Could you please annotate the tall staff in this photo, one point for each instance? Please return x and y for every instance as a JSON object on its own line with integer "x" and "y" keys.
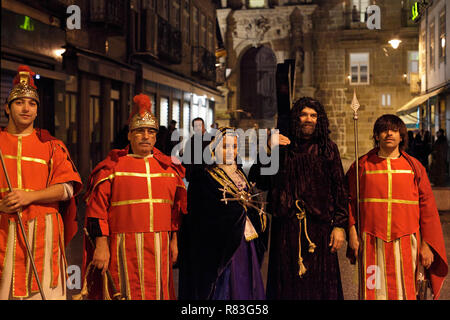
{"x": 355, "y": 106}
{"x": 22, "y": 229}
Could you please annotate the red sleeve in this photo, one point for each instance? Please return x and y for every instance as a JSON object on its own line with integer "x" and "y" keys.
{"x": 62, "y": 168}
{"x": 351, "y": 181}
{"x": 180, "y": 204}
{"x": 431, "y": 231}
{"x": 98, "y": 204}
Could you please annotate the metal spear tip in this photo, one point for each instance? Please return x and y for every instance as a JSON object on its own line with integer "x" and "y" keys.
{"x": 355, "y": 103}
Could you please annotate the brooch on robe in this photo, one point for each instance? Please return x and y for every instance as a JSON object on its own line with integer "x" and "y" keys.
{"x": 247, "y": 199}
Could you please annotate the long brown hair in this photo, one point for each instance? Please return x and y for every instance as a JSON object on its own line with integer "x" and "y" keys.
{"x": 390, "y": 122}
{"x": 322, "y": 132}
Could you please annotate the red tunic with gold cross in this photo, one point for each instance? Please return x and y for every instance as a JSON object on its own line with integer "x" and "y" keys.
{"x": 138, "y": 202}
{"x": 34, "y": 164}
{"x": 397, "y": 209}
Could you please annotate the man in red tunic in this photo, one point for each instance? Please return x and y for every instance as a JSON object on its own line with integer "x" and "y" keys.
{"x": 44, "y": 181}
{"x": 134, "y": 202}
{"x": 399, "y": 221}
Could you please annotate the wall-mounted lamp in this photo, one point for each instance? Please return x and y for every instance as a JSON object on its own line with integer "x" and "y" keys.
{"x": 395, "y": 43}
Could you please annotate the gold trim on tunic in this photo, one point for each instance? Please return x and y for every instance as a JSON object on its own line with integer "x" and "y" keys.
{"x": 157, "y": 244}
{"x": 140, "y": 258}
{"x": 19, "y": 163}
{"x": 389, "y": 200}
{"x": 132, "y": 174}
{"x": 7, "y": 190}
{"x": 149, "y": 189}
{"x": 119, "y": 263}
{"x": 137, "y": 201}
{"x": 387, "y": 171}
{"x": 389, "y": 213}
{"x": 42, "y": 161}
{"x": 125, "y": 262}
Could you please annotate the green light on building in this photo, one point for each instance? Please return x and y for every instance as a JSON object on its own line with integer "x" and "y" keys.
{"x": 415, "y": 11}
{"x": 27, "y": 24}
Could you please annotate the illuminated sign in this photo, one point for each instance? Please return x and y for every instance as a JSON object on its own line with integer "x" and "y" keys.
{"x": 27, "y": 24}
{"x": 415, "y": 11}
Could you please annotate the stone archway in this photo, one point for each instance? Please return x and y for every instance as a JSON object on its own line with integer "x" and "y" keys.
{"x": 258, "y": 88}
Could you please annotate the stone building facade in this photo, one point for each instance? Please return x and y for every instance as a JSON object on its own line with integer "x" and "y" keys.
{"x": 336, "y": 53}
{"x": 87, "y": 76}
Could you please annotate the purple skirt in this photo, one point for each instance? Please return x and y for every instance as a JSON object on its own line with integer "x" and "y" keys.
{"x": 241, "y": 279}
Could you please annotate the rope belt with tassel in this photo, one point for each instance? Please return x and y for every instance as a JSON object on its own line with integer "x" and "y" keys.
{"x": 301, "y": 216}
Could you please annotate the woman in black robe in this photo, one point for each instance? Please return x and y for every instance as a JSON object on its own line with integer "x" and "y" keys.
{"x": 221, "y": 243}
{"x": 310, "y": 178}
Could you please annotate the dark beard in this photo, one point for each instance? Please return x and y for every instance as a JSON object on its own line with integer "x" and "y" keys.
{"x": 307, "y": 130}
{"x": 299, "y": 134}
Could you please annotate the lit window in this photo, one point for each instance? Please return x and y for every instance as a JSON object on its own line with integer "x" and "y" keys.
{"x": 359, "y": 68}
{"x": 164, "y": 112}
{"x": 413, "y": 63}
{"x": 359, "y": 10}
{"x": 442, "y": 36}
{"x": 186, "y": 116}
{"x": 210, "y": 116}
{"x": 256, "y": 3}
{"x": 176, "y": 111}
{"x": 386, "y": 99}
{"x": 432, "y": 45}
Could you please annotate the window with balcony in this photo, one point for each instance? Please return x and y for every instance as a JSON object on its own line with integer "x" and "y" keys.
{"x": 107, "y": 12}
{"x": 210, "y": 44}
{"x": 186, "y": 22}
{"x": 359, "y": 10}
{"x": 163, "y": 8}
{"x": 146, "y": 34}
{"x": 203, "y": 34}
{"x": 195, "y": 26}
{"x": 359, "y": 68}
{"x": 175, "y": 15}
{"x": 442, "y": 34}
{"x": 147, "y": 4}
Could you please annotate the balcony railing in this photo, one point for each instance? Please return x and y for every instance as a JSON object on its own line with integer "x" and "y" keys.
{"x": 109, "y": 12}
{"x": 203, "y": 63}
{"x": 358, "y": 19}
{"x": 355, "y": 19}
{"x": 169, "y": 42}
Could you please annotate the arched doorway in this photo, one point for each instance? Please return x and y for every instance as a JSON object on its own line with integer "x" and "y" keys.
{"x": 258, "y": 88}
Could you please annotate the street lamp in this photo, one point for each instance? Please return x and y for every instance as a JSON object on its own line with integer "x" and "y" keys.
{"x": 395, "y": 43}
